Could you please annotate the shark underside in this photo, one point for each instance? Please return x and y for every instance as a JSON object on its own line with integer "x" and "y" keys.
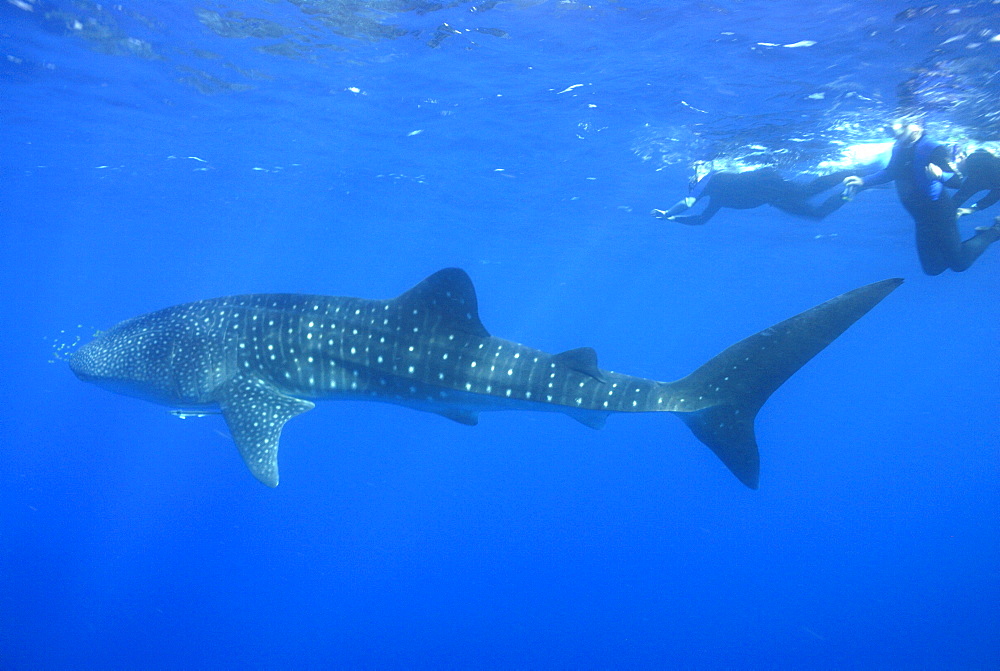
{"x": 260, "y": 358}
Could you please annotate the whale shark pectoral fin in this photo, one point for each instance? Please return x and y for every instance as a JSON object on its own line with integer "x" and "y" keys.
{"x": 256, "y": 412}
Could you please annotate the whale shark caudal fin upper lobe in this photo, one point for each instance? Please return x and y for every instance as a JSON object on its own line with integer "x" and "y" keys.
{"x": 721, "y": 399}
{"x": 255, "y": 412}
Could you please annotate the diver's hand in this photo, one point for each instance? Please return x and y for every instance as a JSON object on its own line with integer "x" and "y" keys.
{"x": 963, "y": 211}
{"x": 933, "y": 171}
{"x": 854, "y": 182}
{"x": 660, "y": 214}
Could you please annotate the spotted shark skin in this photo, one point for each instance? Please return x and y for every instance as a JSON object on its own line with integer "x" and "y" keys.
{"x": 260, "y": 358}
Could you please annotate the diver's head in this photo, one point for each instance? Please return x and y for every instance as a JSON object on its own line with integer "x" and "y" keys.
{"x": 959, "y": 152}
{"x": 907, "y": 131}
{"x": 700, "y": 170}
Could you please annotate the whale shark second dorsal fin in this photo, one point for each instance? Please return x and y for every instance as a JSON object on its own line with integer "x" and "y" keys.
{"x": 582, "y": 360}
{"x": 450, "y": 295}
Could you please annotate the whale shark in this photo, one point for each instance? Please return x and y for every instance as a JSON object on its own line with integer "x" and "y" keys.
{"x": 261, "y": 359}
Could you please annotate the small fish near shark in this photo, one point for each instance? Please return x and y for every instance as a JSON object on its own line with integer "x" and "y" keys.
{"x": 259, "y": 358}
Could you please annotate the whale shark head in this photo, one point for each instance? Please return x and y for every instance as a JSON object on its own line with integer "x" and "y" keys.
{"x": 154, "y": 357}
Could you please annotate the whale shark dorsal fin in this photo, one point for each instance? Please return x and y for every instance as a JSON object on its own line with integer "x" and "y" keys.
{"x": 450, "y": 295}
{"x": 582, "y": 360}
{"x": 256, "y": 412}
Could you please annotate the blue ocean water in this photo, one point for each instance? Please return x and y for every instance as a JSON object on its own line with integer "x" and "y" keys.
{"x": 159, "y": 153}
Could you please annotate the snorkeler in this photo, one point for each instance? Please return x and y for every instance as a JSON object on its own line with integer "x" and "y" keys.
{"x": 921, "y": 168}
{"x": 747, "y": 190}
{"x": 981, "y": 170}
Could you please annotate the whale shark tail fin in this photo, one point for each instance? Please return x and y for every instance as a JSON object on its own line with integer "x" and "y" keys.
{"x": 719, "y": 401}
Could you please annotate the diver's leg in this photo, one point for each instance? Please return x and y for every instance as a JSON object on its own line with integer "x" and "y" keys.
{"x": 976, "y": 245}
{"x": 802, "y": 208}
{"x": 794, "y": 197}
{"x": 824, "y": 182}
{"x": 932, "y": 254}
{"x": 933, "y": 258}
{"x": 833, "y": 203}
{"x": 943, "y": 225}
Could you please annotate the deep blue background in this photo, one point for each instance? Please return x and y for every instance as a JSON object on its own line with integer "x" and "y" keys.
{"x": 129, "y": 538}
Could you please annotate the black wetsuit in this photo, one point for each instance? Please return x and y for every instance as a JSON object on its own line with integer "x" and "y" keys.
{"x": 747, "y": 190}
{"x": 938, "y": 243}
{"x": 982, "y": 173}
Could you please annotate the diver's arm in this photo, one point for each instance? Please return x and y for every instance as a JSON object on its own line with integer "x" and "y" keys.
{"x": 945, "y": 172}
{"x": 963, "y": 195}
{"x": 966, "y": 191}
{"x": 681, "y": 206}
{"x": 698, "y": 219}
{"x": 883, "y": 176}
{"x": 987, "y": 200}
